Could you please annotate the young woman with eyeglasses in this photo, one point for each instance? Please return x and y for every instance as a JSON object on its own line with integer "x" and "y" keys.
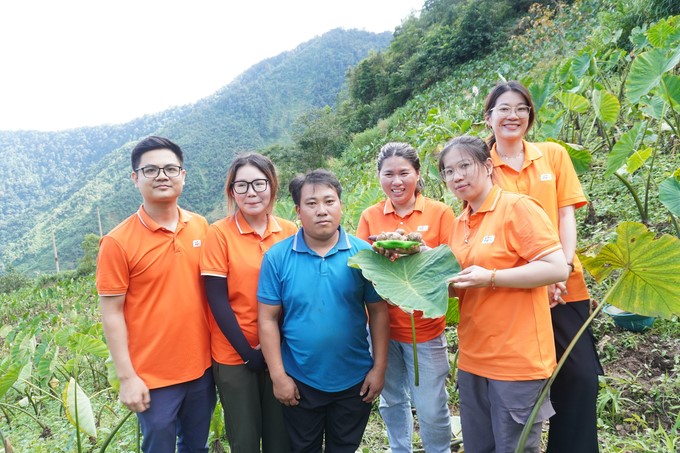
{"x": 230, "y": 266}
{"x": 407, "y": 209}
{"x": 545, "y": 172}
{"x": 508, "y": 252}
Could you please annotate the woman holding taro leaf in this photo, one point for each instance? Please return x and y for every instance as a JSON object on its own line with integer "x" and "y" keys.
{"x": 509, "y": 250}
{"x": 426, "y": 221}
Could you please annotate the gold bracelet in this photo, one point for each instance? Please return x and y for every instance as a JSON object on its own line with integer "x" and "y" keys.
{"x": 493, "y": 279}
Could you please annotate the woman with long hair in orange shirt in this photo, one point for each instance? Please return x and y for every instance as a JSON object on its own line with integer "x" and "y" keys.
{"x": 545, "y": 172}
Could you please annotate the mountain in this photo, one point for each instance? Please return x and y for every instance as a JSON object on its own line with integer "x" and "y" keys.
{"x": 56, "y": 181}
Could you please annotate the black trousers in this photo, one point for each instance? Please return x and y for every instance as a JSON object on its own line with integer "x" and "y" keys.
{"x": 340, "y": 417}
{"x": 573, "y": 394}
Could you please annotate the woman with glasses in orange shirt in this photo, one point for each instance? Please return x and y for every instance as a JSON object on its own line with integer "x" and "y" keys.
{"x": 230, "y": 266}
{"x": 545, "y": 172}
{"x": 508, "y": 252}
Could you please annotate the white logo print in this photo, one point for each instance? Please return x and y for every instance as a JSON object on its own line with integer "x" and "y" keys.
{"x": 546, "y": 177}
{"x": 197, "y": 243}
{"x": 489, "y": 239}
{"x": 423, "y": 227}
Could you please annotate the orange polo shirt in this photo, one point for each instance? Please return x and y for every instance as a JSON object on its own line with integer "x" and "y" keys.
{"x": 506, "y": 333}
{"x": 166, "y": 311}
{"x": 547, "y": 175}
{"x": 433, "y": 220}
{"x": 234, "y": 250}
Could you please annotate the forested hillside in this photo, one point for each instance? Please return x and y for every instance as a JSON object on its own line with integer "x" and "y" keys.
{"x": 57, "y": 180}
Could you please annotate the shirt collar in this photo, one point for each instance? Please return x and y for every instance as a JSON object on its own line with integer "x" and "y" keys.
{"x": 489, "y": 204}
{"x": 152, "y": 225}
{"x": 299, "y": 244}
{"x": 244, "y": 227}
{"x": 531, "y": 153}
{"x": 418, "y": 206}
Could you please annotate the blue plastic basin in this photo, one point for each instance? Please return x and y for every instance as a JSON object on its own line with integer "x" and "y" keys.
{"x": 627, "y": 320}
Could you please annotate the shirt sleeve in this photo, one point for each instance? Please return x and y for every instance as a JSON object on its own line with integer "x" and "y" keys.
{"x": 363, "y": 230}
{"x": 446, "y": 224}
{"x": 269, "y": 285}
{"x": 569, "y": 190}
{"x": 113, "y": 273}
{"x": 215, "y": 254}
{"x": 531, "y": 232}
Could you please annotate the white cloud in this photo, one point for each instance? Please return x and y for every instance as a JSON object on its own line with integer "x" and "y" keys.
{"x": 82, "y": 62}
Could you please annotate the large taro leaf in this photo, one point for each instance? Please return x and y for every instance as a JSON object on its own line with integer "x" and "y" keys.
{"x": 413, "y": 282}
{"x": 647, "y": 70}
{"x": 78, "y": 408}
{"x": 607, "y": 106}
{"x": 648, "y": 271}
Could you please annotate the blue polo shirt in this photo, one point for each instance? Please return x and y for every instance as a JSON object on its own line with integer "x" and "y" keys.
{"x": 324, "y": 341}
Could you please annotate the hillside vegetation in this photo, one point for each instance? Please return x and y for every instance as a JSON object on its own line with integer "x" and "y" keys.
{"x": 605, "y": 78}
{"x": 56, "y": 181}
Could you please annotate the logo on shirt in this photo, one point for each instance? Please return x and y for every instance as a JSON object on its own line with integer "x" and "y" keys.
{"x": 423, "y": 227}
{"x": 196, "y": 243}
{"x": 546, "y": 177}
{"x": 488, "y": 239}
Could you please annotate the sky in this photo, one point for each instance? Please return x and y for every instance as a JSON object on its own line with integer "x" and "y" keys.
{"x": 73, "y": 63}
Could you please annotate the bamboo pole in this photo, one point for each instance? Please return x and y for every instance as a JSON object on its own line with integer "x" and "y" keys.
{"x": 54, "y": 247}
{"x": 99, "y": 219}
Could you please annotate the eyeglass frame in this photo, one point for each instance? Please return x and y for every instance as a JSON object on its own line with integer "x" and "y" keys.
{"x": 158, "y": 171}
{"x": 250, "y": 184}
{"x": 513, "y": 109}
{"x": 461, "y": 172}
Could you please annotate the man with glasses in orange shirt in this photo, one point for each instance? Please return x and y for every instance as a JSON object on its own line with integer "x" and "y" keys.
{"x": 154, "y": 310}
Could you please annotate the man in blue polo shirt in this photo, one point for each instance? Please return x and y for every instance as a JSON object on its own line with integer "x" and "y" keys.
{"x": 312, "y": 324}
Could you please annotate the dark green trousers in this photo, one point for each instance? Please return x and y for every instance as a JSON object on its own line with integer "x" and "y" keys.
{"x": 251, "y": 413}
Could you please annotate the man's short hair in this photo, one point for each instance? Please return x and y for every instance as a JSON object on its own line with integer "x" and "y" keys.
{"x": 152, "y": 143}
{"x": 314, "y": 177}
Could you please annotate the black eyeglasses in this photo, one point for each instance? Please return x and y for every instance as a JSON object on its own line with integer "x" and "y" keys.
{"x": 258, "y": 185}
{"x": 171, "y": 171}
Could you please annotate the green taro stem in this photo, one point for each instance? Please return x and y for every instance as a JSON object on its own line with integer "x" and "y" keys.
{"x": 415, "y": 349}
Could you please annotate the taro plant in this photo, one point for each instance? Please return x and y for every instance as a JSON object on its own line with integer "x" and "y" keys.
{"x": 413, "y": 282}
{"x": 643, "y": 271}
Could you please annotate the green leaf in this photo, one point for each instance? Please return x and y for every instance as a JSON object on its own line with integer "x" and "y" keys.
{"x": 452, "y": 312}
{"x": 669, "y": 193}
{"x": 80, "y": 343}
{"x": 9, "y": 377}
{"x": 24, "y": 376}
{"x": 647, "y": 280}
{"x": 47, "y": 363}
{"x": 671, "y": 88}
{"x": 646, "y": 71}
{"x": 76, "y": 401}
{"x": 111, "y": 374}
{"x": 580, "y": 157}
{"x": 627, "y": 145}
{"x": 542, "y": 92}
{"x": 414, "y": 282}
{"x": 653, "y": 107}
{"x": 581, "y": 64}
{"x": 606, "y": 106}
{"x": 574, "y": 102}
{"x": 637, "y": 160}
{"x": 664, "y": 33}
